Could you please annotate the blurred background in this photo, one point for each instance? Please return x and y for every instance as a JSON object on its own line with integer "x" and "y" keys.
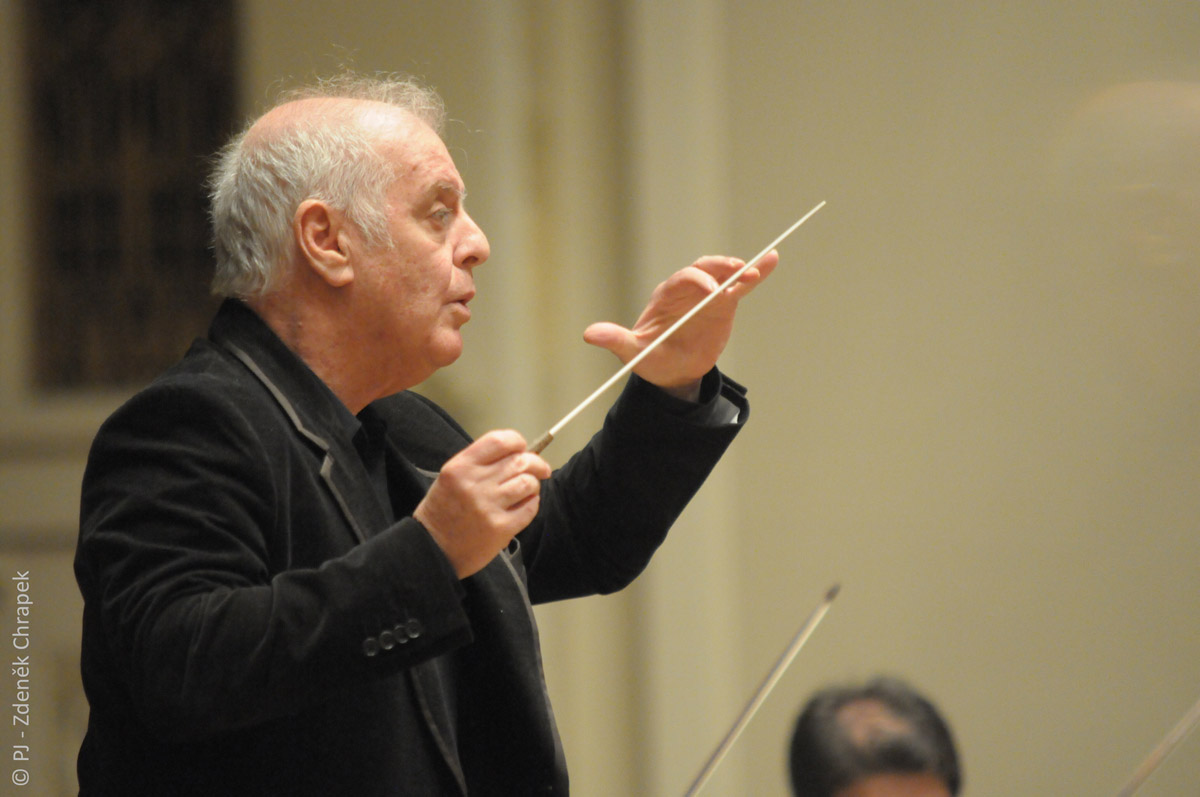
{"x": 975, "y": 377}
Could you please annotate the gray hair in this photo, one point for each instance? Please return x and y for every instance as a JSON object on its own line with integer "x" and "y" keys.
{"x": 258, "y": 181}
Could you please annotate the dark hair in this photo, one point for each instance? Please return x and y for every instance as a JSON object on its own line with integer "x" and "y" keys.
{"x": 894, "y": 730}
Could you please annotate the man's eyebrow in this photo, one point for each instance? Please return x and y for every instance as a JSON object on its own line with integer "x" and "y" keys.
{"x": 442, "y": 186}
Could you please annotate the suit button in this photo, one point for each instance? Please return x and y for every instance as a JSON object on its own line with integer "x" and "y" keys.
{"x": 387, "y": 640}
{"x": 371, "y": 646}
{"x": 413, "y": 628}
{"x": 401, "y": 634}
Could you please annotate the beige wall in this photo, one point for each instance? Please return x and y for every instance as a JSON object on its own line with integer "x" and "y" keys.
{"x": 973, "y": 407}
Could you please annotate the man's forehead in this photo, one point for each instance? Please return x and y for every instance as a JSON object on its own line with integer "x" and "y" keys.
{"x": 417, "y": 150}
{"x": 429, "y": 175}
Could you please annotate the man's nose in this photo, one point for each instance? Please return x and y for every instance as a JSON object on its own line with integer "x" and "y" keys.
{"x": 473, "y": 249}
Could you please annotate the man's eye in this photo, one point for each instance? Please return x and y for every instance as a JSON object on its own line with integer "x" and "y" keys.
{"x": 442, "y": 216}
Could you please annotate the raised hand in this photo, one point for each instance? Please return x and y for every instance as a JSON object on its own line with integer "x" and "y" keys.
{"x": 678, "y": 364}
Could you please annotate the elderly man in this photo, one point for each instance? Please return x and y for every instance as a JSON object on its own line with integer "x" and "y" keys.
{"x": 300, "y": 578}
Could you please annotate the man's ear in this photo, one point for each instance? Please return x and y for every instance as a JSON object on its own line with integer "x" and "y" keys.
{"x": 322, "y": 234}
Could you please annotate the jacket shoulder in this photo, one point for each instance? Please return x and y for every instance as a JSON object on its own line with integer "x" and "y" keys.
{"x": 423, "y": 431}
{"x": 205, "y": 391}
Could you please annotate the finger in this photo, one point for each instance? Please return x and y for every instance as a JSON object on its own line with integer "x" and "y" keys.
{"x": 722, "y": 268}
{"x": 760, "y": 270}
{"x": 536, "y": 466}
{"x": 519, "y": 476}
{"x": 494, "y": 446}
{"x": 704, "y": 276}
{"x": 719, "y": 267}
{"x": 707, "y": 275}
{"x": 524, "y": 511}
{"x": 751, "y": 277}
{"x": 518, "y": 490}
{"x": 524, "y": 462}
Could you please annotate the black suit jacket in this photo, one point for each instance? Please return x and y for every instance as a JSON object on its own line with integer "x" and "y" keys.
{"x": 262, "y": 615}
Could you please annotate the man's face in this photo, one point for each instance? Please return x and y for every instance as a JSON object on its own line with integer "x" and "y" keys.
{"x": 410, "y": 298}
{"x": 897, "y": 785}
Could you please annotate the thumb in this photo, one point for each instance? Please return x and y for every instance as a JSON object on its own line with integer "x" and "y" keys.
{"x": 613, "y": 337}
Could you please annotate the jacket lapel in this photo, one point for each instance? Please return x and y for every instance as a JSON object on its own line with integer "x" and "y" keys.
{"x": 341, "y": 470}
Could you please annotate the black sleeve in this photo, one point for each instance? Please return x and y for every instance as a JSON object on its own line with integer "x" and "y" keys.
{"x": 606, "y": 511}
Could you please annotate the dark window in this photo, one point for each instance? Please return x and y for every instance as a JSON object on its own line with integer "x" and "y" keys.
{"x": 129, "y": 99}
